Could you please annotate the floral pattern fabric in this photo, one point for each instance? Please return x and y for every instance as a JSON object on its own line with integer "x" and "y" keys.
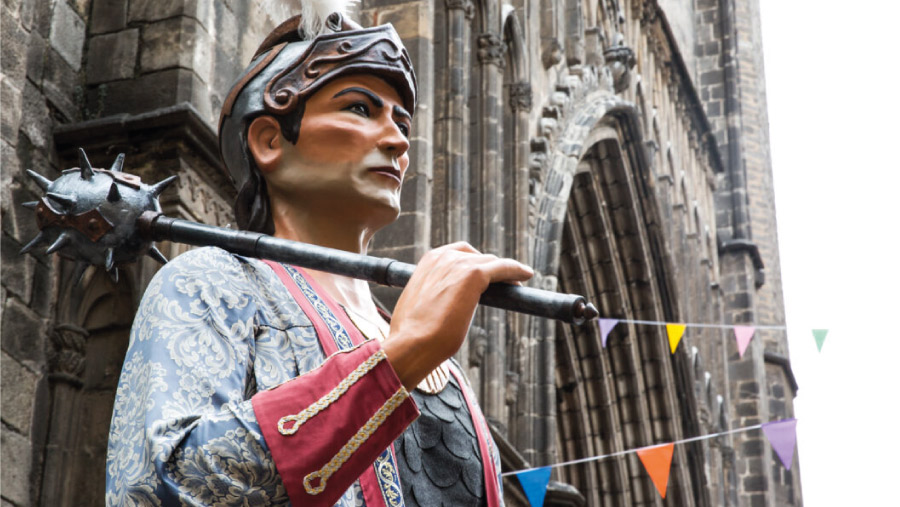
{"x": 212, "y": 330}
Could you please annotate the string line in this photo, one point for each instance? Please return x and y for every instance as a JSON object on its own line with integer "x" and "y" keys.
{"x": 622, "y": 453}
{"x": 688, "y": 324}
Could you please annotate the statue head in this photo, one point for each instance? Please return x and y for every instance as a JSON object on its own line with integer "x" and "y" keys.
{"x": 288, "y": 69}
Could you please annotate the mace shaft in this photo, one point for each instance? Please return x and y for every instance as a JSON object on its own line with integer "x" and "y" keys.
{"x": 154, "y": 226}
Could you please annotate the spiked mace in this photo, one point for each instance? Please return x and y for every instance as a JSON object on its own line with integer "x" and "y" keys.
{"x": 108, "y": 217}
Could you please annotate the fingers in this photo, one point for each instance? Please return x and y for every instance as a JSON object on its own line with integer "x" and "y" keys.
{"x": 506, "y": 270}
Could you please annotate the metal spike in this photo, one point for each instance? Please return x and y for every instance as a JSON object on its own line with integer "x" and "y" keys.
{"x": 33, "y": 243}
{"x": 31, "y": 204}
{"x": 60, "y": 242}
{"x": 113, "y": 194}
{"x": 117, "y": 165}
{"x": 42, "y": 182}
{"x": 62, "y": 198}
{"x": 156, "y": 255}
{"x": 87, "y": 172}
{"x": 110, "y": 263}
{"x": 114, "y": 274}
{"x": 159, "y": 187}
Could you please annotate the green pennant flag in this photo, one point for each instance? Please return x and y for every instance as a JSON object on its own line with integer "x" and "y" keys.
{"x": 819, "y": 335}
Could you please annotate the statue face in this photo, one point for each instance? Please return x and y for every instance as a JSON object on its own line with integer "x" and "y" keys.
{"x": 351, "y": 154}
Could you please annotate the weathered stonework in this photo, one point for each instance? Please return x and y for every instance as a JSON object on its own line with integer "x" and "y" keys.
{"x": 615, "y": 146}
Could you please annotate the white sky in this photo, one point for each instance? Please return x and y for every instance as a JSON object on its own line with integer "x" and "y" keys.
{"x": 834, "y": 104}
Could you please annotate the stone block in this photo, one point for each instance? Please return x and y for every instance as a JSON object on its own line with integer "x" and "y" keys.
{"x": 18, "y": 395}
{"x": 142, "y": 94}
{"x": 154, "y": 10}
{"x": 13, "y": 51}
{"x": 36, "y": 122}
{"x": 112, "y": 56}
{"x": 22, "y": 332}
{"x": 61, "y": 85}
{"x": 41, "y": 290}
{"x": 37, "y": 48}
{"x": 410, "y": 19}
{"x": 177, "y": 42}
{"x": 17, "y": 269}
{"x": 108, "y": 16}
{"x": 15, "y": 453}
{"x": 11, "y": 98}
{"x": 67, "y": 31}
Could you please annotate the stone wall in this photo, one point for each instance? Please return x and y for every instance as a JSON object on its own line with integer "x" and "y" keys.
{"x": 619, "y": 147}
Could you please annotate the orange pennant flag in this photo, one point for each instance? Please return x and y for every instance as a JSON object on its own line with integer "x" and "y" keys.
{"x": 675, "y": 332}
{"x": 657, "y": 461}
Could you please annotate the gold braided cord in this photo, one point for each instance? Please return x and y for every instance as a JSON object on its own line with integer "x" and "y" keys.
{"x": 322, "y": 403}
{"x": 353, "y": 444}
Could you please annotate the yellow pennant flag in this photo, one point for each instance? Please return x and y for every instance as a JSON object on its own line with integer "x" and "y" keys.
{"x": 675, "y": 332}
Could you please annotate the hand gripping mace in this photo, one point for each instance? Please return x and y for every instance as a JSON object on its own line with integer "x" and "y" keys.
{"x": 107, "y": 217}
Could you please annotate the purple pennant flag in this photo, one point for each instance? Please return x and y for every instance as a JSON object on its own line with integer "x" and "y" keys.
{"x": 782, "y": 435}
{"x": 606, "y": 325}
{"x": 534, "y": 482}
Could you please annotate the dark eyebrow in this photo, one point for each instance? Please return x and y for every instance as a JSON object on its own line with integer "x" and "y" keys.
{"x": 399, "y": 111}
{"x": 374, "y": 98}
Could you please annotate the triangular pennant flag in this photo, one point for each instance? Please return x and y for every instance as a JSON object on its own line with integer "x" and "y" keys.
{"x": 657, "y": 460}
{"x": 819, "y": 335}
{"x": 782, "y": 435}
{"x": 606, "y": 325}
{"x": 675, "y": 332}
{"x": 534, "y": 482}
{"x": 743, "y": 334}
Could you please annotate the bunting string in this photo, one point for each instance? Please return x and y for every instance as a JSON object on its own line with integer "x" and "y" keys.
{"x": 688, "y": 324}
{"x": 629, "y": 451}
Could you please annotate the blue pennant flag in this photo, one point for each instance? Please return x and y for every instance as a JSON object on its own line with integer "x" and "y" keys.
{"x": 534, "y": 482}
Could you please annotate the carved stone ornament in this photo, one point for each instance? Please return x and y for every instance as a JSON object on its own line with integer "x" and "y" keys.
{"x": 66, "y": 356}
{"x": 520, "y": 96}
{"x": 491, "y": 49}
{"x": 463, "y": 5}
{"x": 552, "y": 54}
{"x": 620, "y": 60}
{"x": 478, "y": 346}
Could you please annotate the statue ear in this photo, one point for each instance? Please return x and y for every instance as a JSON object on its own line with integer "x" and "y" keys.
{"x": 265, "y": 143}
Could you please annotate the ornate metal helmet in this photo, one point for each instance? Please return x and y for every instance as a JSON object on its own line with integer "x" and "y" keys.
{"x": 286, "y": 70}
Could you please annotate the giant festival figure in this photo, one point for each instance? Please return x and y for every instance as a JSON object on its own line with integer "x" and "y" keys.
{"x": 250, "y": 382}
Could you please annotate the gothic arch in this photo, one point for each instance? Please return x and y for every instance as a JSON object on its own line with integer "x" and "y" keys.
{"x": 597, "y": 232}
{"x": 87, "y": 349}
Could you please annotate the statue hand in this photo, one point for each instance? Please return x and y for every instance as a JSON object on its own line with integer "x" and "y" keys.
{"x": 434, "y": 311}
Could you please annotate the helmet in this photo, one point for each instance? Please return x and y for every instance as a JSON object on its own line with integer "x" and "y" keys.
{"x": 286, "y": 70}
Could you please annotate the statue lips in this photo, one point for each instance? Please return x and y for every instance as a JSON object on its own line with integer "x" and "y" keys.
{"x": 389, "y": 171}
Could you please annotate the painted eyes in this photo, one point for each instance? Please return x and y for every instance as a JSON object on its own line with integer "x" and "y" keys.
{"x": 362, "y": 109}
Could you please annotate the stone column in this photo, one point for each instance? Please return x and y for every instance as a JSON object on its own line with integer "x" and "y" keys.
{"x": 451, "y": 172}
{"x": 488, "y": 213}
{"x": 66, "y": 365}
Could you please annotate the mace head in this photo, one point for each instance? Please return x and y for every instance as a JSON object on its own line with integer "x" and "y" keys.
{"x": 90, "y": 215}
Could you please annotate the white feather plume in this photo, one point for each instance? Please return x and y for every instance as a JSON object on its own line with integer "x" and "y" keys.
{"x": 313, "y": 12}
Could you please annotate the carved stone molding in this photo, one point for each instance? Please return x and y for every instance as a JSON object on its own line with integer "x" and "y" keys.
{"x": 520, "y": 96}
{"x": 552, "y": 53}
{"x": 478, "y": 346}
{"x": 491, "y": 50}
{"x": 66, "y": 354}
{"x": 620, "y": 59}
{"x": 463, "y": 5}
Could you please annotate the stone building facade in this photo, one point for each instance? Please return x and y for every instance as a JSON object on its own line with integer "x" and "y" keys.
{"x": 618, "y": 146}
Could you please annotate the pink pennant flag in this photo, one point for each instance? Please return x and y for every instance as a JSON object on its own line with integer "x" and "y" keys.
{"x": 743, "y": 334}
{"x": 606, "y": 325}
{"x": 783, "y": 436}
